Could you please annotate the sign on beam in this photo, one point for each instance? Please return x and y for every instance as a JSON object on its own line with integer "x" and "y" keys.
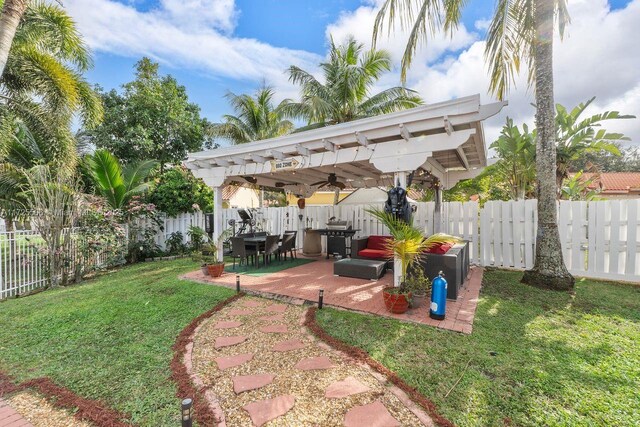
{"x": 283, "y": 165}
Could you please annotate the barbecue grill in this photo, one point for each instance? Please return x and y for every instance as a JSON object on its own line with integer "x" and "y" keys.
{"x": 339, "y": 234}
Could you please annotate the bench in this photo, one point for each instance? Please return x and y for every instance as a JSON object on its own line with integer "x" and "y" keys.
{"x": 359, "y": 268}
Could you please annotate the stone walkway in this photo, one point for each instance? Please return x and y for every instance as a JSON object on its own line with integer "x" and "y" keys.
{"x": 9, "y": 417}
{"x": 304, "y": 282}
{"x": 262, "y": 368}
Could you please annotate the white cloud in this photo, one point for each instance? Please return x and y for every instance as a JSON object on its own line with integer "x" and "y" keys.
{"x": 598, "y": 57}
{"x": 482, "y": 24}
{"x": 190, "y": 34}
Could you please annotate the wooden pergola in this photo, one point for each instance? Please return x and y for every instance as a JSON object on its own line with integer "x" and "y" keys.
{"x": 443, "y": 142}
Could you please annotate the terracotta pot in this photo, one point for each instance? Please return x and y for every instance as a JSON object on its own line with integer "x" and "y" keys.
{"x": 204, "y": 269}
{"x": 215, "y": 270}
{"x": 396, "y": 303}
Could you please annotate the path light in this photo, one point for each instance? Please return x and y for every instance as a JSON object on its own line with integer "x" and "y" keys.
{"x": 320, "y": 297}
{"x": 186, "y": 412}
{"x": 237, "y": 283}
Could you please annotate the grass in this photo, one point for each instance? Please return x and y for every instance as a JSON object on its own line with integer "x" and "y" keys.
{"x": 560, "y": 359}
{"x": 109, "y": 338}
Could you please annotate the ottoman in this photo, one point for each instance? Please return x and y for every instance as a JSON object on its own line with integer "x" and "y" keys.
{"x": 359, "y": 268}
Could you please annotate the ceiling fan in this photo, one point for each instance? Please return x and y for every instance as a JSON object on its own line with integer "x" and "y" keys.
{"x": 251, "y": 179}
{"x": 332, "y": 181}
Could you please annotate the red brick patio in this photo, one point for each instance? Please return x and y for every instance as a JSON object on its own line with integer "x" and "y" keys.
{"x": 304, "y": 282}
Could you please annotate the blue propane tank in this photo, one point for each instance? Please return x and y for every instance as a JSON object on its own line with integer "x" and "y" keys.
{"x": 438, "y": 297}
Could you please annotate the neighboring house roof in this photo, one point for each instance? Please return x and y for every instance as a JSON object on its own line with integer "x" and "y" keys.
{"x": 614, "y": 182}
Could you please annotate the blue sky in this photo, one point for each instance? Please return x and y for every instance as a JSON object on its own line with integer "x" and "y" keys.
{"x": 212, "y": 46}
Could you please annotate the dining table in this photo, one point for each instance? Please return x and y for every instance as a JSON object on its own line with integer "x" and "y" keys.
{"x": 256, "y": 243}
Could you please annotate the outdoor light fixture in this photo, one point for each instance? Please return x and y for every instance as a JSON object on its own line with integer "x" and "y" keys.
{"x": 237, "y": 283}
{"x": 320, "y": 298}
{"x": 186, "y": 412}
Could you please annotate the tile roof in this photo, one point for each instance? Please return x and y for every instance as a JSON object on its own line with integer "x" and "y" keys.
{"x": 229, "y": 191}
{"x": 614, "y": 182}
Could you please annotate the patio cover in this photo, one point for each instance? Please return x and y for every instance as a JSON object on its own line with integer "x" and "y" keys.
{"x": 444, "y": 140}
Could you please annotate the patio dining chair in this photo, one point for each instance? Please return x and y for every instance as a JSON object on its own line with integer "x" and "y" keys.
{"x": 286, "y": 246}
{"x": 270, "y": 248}
{"x": 239, "y": 250}
{"x": 294, "y": 249}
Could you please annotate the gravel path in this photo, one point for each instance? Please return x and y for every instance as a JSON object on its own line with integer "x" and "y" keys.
{"x": 284, "y": 377}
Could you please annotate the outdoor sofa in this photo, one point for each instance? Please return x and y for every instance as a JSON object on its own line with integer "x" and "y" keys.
{"x": 452, "y": 260}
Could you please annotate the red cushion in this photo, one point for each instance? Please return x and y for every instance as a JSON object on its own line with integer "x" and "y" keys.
{"x": 377, "y": 242}
{"x": 374, "y": 253}
{"x": 439, "y": 248}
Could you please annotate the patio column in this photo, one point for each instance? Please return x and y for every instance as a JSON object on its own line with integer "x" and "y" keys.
{"x": 217, "y": 219}
{"x": 399, "y": 178}
{"x": 437, "y": 212}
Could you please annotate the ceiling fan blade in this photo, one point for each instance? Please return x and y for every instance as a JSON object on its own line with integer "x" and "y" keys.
{"x": 340, "y": 185}
{"x": 251, "y": 179}
{"x": 323, "y": 184}
{"x": 318, "y": 183}
{"x": 280, "y": 184}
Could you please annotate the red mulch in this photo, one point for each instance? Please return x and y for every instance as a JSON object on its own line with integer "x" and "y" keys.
{"x": 202, "y": 412}
{"x": 361, "y": 355}
{"x": 94, "y": 411}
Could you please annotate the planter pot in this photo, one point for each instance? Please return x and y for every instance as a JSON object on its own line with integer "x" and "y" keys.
{"x": 396, "y": 303}
{"x": 418, "y": 300}
{"x": 215, "y": 270}
{"x": 204, "y": 270}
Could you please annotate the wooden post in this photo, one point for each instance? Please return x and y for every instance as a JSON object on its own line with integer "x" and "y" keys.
{"x": 217, "y": 219}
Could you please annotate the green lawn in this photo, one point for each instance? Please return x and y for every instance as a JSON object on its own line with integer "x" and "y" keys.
{"x": 561, "y": 360}
{"x": 109, "y": 338}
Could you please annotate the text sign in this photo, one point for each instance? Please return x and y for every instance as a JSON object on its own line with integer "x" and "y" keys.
{"x": 282, "y": 165}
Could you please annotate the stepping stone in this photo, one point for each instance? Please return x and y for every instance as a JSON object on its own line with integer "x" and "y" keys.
{"x": 312, "y": 363}
{"x": 277, "y": 308}
{"x": 263, "y": 411}
{"x": 227, "y": 325}
{"x": 239, "y": 312}
{"x": 344, "y": 388}
{"x": 372, "y": 415}
{"x": 278, "y": 329}
{"x": 252, "y": 304}
{"x": 272, "y": 318}
{"x": 227, "y": 362}
{"x": 251, "y": 382}
{"x": 229, "y": 341}
{"x": 288, "y": 345}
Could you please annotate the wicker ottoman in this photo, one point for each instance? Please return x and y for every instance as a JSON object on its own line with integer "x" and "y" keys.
{"x": 359, "y": 268}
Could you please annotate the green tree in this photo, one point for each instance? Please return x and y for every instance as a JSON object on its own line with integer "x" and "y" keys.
{"x": 604, "y": 161}
{"x": 151, "y": 119}
{"x": 517, "y": 152}
{"x": 577, "y": 137}
{"x": 520, "y": 33}
{"x": 256, "y": 118}
{"x": 177, "y": 191}
{"x": 42, "y": 89}
{"x": 349, "y": 76}
{"x": 578, "y": 188}
{"x": 118, "y": 184}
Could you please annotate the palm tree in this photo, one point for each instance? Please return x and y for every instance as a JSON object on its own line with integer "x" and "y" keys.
{"x": 12, "y": 12}
{"x": 115, "y": 183}
{"x": 349, "y": 76}
{"x": 256, "y": 118}
{"x": 576, "y": 137}
{"x": 521, "y": 32}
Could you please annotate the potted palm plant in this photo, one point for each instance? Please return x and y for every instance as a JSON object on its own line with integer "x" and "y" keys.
{"x": 407, "y": 244}
{"x": 210, "y": 259}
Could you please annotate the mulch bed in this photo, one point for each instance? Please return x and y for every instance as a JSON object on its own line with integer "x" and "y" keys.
{"x": 361, "y": 355}
{"x": 202, "y": 412}
{"x": 93, "y": 411}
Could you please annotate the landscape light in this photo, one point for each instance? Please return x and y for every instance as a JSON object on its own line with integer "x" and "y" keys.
{"x": 186, "y": 413}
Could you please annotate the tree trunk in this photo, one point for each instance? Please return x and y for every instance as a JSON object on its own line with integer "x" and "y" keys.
{"x": 12, "y": 12}
{"x": 549, "y": 270}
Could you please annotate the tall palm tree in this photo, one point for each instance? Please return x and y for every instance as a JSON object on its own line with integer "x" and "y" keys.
{"x": 521, "y": 32}
{"x": 256, "y": 118}
{"x": 12, "y": 12}
{"x": 349, "y": 76}
{"x": 115, "y": 183}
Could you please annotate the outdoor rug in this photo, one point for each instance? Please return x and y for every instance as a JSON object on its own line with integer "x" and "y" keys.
{"x": 273, "y": 267}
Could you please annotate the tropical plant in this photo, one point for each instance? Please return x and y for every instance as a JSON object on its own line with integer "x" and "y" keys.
{"x": 177, "y": 191}
{"x": 345, "y": 95}
{"x": 575, "y": 137}
{"x": 407, "y": 243}
{"x": 119, "y": 184}
{"x": 577, "y": 187}
{"x": 256, "y": 118}
{"x": 197, "y": 237}
{"x": 521, "y": 32}
{"x": 175, "y": 243}
{"x": 151, "y": 119}
{"x": 12, "y": 12}
{"x": 517, "y": 152}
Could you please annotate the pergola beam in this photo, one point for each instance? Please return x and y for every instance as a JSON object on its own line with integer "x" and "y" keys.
{"x": 330, "y": 146}
{"x": 463, "y": 157}
{"x": 362, "y": 140}
{"x": 404, "y": 132}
